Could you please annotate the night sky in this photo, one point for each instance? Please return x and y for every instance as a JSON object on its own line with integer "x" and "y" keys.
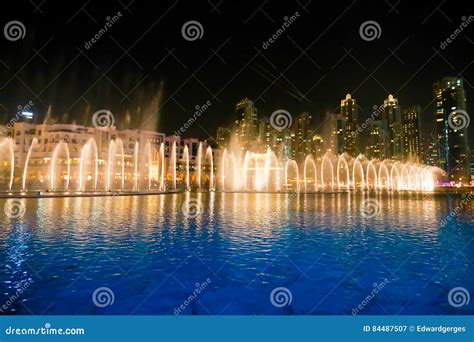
{"x": 143, "y": 57}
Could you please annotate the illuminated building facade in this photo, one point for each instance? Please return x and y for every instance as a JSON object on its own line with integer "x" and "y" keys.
{"x": 376, "y": 146}
{"x": 452, "y": 144}
{"x": 350, "y": 114}
{"x": 337, "y": 125}
{"x": 247, "y": 122}
{"x": 392, "y": 121}
{"x": 318, "y": 147}
{"x": 411, "y": 133}
{"x": 302, "y": 137}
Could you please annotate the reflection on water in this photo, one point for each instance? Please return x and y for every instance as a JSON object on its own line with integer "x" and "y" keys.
{"x": 327, "y": 249}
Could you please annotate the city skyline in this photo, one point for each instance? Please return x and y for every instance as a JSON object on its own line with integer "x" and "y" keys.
{"x": 392, "y": 131}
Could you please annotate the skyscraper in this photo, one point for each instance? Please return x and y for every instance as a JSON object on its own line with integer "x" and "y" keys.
{"x": 411, "y": 133}
{"x": 350, "y": 114}
{"x": 453, "y": 149}
{"x": 247, "y": 124}
{"x": 376, "y": 140}
{"x": 337, "y": 124}
{"x": 318, "y": 147}
{"x": 393, "y": 128}
{"x": 302, "y": 140}
{"x": 430, "y": 155}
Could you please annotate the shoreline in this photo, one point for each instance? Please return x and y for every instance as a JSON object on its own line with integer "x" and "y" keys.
{"x": 69, "y": 194}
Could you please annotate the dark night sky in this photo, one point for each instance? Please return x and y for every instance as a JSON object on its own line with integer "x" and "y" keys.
{"x": 124, "y": 69}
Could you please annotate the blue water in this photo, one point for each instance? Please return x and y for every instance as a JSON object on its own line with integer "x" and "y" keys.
{"x": 152, "y": 255}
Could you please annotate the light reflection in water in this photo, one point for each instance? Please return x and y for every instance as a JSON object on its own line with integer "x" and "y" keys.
{"x": 247, "y": 243}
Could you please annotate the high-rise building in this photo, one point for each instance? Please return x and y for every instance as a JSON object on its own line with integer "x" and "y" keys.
{"x": 247, "y": 122}
{"x": 376, "y": 144}
{"x": 222, "y": 136}
{"x": 302, "y": 139}
{"x": 265, "y": 131}
{"x": 337, "y": 124}
{"x": 350, "y": 114}
{"x": 393, "y": 128}
{"x": 452, "y": 144}
{"x": 411, "y": 133}
{"x": 430, "y": 155}
{"x": 318, "y": 147}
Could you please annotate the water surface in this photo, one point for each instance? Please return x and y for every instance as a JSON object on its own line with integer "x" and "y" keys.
{"x": 153, "y": 254}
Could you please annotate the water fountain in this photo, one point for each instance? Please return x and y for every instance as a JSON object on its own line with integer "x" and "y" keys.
{"x": 60, "y": 160}
{"x": 7, "y": 162}
{"x": 88, "y": 166}
{"x": 265, "y": 172}
{"x": 147, "y": 168}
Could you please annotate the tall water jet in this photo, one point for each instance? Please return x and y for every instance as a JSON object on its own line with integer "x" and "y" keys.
{"x": 7, "y": 162}
{"x": 245, "y": 169}
{"x": 291, "y": 164}
{"x": 384, "y": 176}
{"x": 186, "y": 158}
{"x": 61, "y": 146}
{"x": 162, "y": 167}
{"x": 358, "y": 181}
{"x": 34, "y": 142}
{"x": 412, "y": 178}
{"x": 271, "y": 168}
{"x": 395, "y": 176}
{"x": 327, "y": 172}
{"x": 405, "y": 182}
{"x": 116, "y": 158}
{"x": 228, "y": 167}
{"x": 172, "y": 165}
{"x": 136, "y": 151}
{"x": 371, "y": 176}
{"x": 343, "y": 175}
{"x": 210, "y": 159}
{"x": 147, "y": 165}
{"x": 89, "y": 158}
{"x": 199, "y": 165}
{"x": 310, "y": 164}
{"x": 428, "y": 179}
{"x": 223, "y": 168}
{"x": 109, "y": 165}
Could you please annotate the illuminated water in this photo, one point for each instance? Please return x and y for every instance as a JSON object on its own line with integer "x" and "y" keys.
{"x": 319, "y": 246}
